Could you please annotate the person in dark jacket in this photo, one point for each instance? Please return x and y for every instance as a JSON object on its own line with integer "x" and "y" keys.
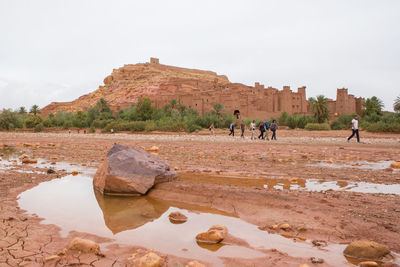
{"x": 274, "y": 127}
{"x": 242, "y": 127}
{"x": 262, "y": 130}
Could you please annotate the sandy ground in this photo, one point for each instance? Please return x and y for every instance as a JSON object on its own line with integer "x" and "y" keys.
{"x": 223, "y": 173}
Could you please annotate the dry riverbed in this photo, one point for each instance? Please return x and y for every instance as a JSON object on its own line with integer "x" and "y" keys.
{"x": 321, "y": 186}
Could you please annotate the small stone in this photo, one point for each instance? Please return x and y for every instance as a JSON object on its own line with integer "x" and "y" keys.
{"x": 177, "y": 217}
{"x": 395, "y": 165}
{"x": 151, "y": 260}
{"x": 53, "y": 257}
{"x": 319, "y": 243}
{"x": 153, "y": 149}
{"x": 293, "y": 179}
{"x": 50, "y": 171}
{"x": 74, "y": 173}
{"x": 274, "y": 226}
{"x": 194, "y": 264}
{"x": 285, "y": 226}
{"x": 62, "y": 252}
{"x": 368, "y": 264}
{"x": 84, "y": 245}
{"x": 29, "y": 161}
{"x": 317, "y": 260}
{"x": 214, "y": 235}
{"x": 363, "y": 249}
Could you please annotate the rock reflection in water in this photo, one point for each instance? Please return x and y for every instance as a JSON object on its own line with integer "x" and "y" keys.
{"x": 125, "y": 213}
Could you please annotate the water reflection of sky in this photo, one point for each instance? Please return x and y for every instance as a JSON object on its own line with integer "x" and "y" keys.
{"x": 316, "y": 185}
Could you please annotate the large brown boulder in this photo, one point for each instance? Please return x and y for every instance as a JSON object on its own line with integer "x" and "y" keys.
{"x": 366, "y": 250}
{"x": 130, "y": 171}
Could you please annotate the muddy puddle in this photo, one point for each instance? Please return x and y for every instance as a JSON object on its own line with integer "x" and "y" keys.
{"x": 314, "y": 185}
{"x": 72, "y": 204}
{"x": 362, "y": 165}
{"x": 9, "y": 161}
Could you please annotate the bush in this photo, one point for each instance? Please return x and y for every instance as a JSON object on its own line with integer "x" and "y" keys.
{"x": 8, "y": 120}
{"x": 343, "y": 122}
{"x": 193, "y": 127}
{"x": 282, "y": 120}
{"x": 92, "y": 129}
{"x": 382, "y": 127}
{"x": 149, "y": 126}
{"x": 39, "y": 127}
{"x": 32, "y": 120}
{"x": 317, "y": 126}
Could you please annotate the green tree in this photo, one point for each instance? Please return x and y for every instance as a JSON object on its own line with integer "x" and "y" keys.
{"x": 35, "y": 110}
{"x": 8, "y": 119}
{"x": 144, "y": 110}
{"x": 100, "y": 111}
{"x": 219, "y": 110}
{"x": 22, "y": 110}
{"x": 396, "y": 105}
{"x": 319, "y": 106}
{"x": 373, "y": 105}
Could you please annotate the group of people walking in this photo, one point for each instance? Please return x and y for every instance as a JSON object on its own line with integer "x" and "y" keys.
{"x": 264, "y": 127}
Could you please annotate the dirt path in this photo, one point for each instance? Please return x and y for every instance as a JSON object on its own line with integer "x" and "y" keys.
{"x": 226, "y": 174}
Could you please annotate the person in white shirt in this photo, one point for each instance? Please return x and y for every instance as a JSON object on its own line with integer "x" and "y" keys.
{"x": 354, "y": 127}
{"x": 252, "y": 129}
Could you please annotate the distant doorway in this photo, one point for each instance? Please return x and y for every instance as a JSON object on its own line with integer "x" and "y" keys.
{"x": 236, "y": 113}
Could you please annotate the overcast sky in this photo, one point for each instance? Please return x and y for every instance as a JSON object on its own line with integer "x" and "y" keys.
{"x": 53, "y": 50}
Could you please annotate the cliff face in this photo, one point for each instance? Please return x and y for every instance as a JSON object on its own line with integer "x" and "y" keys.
{"x": 126, "y": 84}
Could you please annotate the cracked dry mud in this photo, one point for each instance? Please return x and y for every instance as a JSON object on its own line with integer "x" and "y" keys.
{"x": 221, "y": 173}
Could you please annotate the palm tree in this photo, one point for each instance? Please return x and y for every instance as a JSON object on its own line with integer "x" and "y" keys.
{"x": 373, "y": 105}
{"x": 396, "y": 105}
{"x": 320, "y": 108}
{"x": 35, "y": 109}
{"x": 22, "y": 110}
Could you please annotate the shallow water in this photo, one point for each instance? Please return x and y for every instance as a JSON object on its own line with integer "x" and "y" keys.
{"x": 315, "y": 185}
{"x": 72, "y": 204}
{"x": 363, "y": 165}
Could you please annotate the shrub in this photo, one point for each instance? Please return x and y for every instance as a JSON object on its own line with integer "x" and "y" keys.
{"x": 193, "y": 127}
{"x": 38, "y": 128}
{"x": 137, "y": 126}
{"x": 343, "y": 122}
{"x": 92, "y": 129}
{"x": 32, "y": 120}
{"x": 317, "y": 126}
{"x": 149, "y": 126}
{"x": 282, "y": 120}
{"x": 8, "y": 120}
{"x": 382, "y": 127}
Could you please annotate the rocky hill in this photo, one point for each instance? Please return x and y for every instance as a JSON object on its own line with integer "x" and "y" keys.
{"x": 126, "y": 84}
